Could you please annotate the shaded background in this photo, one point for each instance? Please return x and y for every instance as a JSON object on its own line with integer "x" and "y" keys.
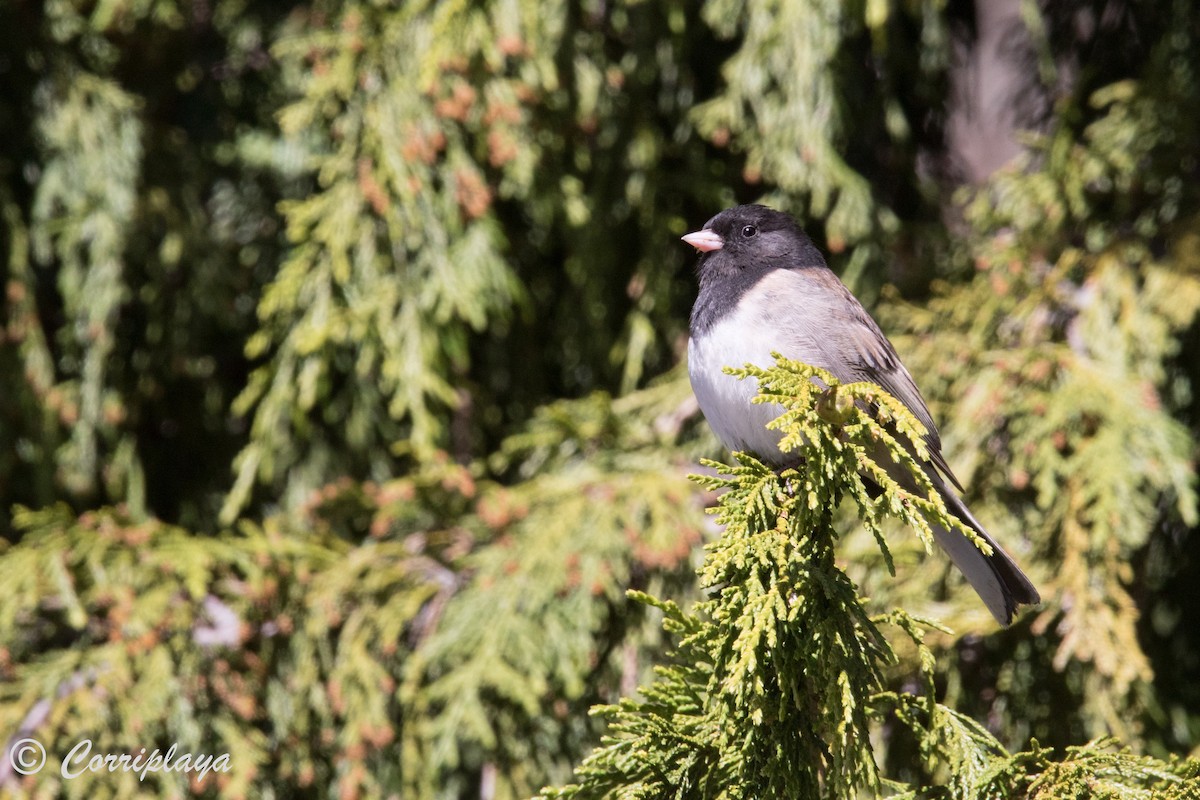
{"x": 341, "y": 346}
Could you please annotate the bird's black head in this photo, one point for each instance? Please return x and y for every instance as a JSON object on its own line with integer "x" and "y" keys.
{"x": 737, "y": 248}
{"x": 750, "y": 239}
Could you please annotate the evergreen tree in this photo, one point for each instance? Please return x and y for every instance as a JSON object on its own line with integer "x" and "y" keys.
{"x": 344, "y": 430}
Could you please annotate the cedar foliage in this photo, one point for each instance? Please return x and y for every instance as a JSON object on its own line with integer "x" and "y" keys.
{"x": 343, "y": 405}
{"x": 780, "y": 670}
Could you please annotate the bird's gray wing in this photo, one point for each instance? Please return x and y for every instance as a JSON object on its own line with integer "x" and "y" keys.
{"x": 855, "y": 349}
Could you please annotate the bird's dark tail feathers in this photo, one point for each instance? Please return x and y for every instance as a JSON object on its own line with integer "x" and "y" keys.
{"x": 997, "y": 579}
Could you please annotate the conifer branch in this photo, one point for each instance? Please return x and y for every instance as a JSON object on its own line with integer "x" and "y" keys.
{"x": 776, "y": 680}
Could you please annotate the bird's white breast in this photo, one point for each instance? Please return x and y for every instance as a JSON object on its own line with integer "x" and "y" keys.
{"x": 738, "y": 339}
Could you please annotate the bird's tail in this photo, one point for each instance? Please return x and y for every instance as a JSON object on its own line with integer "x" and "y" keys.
{"x": 997, "y": 579}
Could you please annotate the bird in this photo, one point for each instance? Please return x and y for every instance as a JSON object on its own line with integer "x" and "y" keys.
{"x": 764, "y": 287}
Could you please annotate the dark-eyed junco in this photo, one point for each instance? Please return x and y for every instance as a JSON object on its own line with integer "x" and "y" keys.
{"x": 765, "y": 287}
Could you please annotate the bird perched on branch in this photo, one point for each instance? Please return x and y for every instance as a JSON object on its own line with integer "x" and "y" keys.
{"x": 764, "y": 287}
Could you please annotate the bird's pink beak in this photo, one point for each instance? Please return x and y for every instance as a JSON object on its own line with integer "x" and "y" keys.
{"x": 705, "y": 240}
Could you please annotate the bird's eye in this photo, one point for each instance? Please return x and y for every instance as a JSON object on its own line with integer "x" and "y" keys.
{"x": 749, "y": 231}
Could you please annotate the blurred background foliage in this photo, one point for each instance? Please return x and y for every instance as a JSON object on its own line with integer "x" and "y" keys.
{"x": 341, "y": 351}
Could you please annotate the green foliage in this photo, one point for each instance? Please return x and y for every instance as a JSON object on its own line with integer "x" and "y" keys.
{"x": 401, "y": 205}
{"x": 778, "y": 673}
{"x": 342, "y": 399}
{"x": 129, "y": 247}
{"x": 100, "y": 608}
{"x": 782, "y": 643}
{"x": 1065, "y": 344}
{"x": 829, "y": 144}
{"x": 92, "y": 193}
{"x": 395, "y": 627}
{"x": 569, "y": 541}
{"x": 417, "y": 124}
